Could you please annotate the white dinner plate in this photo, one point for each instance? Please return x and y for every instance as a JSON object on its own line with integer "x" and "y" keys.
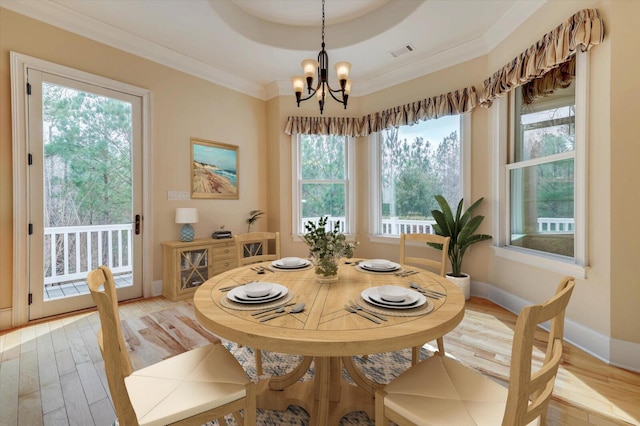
{"x": 413, "y": 300}
{"x": 391, "y": 266}
{"x": 240, "y": 296}
{"x": 302, "y": 264}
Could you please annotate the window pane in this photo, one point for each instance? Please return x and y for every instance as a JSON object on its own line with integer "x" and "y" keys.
{"x": 326, "y": 199}
{"x": 417, "y": 163}
{"x": 542, "y": 207}
{"x": 546, "y": 126}
{"x": 322, "y": 157}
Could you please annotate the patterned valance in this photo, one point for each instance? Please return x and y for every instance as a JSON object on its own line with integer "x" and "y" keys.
{"x": 582, "y": 30}
{"x": 557, "y": 78}
{"x": 452, "y": 103}
{"x": 342, "y": 126}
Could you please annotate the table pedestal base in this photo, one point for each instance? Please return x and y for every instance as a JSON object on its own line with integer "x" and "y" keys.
{"x": 327, "y": 398}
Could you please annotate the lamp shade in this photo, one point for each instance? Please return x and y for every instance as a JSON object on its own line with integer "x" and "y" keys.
{"x": 186, "y": 215}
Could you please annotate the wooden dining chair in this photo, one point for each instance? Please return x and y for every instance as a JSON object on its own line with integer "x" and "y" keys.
{"x": 254, "y": 247}
{"x": 192, "y": 388}
{"x": 441, "y": 391}
{"x": 438, "y": 266}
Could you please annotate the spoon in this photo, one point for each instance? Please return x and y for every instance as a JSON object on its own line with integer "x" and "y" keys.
{"x": 281, "y": 312}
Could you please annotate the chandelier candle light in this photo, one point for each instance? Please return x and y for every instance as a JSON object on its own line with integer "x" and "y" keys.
{"x": 187, "y": 216}
{"x": 320, "y": 67}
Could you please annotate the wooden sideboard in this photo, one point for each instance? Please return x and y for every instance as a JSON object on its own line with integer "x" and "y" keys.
{"x": 187, "y": 265}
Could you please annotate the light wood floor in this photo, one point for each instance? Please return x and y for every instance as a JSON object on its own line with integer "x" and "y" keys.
{"x": 51, "y": 373}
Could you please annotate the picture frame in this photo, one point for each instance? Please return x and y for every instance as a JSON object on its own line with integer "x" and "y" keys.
{"x": 214, "y": 170}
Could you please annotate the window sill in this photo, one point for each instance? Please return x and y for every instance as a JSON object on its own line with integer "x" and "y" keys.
{"x": 385, "y": 239}
{"x": 542, "y": 261}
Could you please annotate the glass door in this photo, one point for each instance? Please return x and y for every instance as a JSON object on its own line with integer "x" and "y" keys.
{"x": 84, "y": 191}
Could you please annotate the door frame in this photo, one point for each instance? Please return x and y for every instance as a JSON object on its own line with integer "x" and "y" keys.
{"x": 19, "y": 64}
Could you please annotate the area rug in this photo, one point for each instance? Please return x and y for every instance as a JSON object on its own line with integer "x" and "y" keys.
{"x": 381, "y": 368}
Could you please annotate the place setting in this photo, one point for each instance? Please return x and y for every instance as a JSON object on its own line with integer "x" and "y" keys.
{"x": 378, "y": 266}
{"x": 291, "y": 264}
{"x": 395, "y": 300}
{"x": 256, "y": 295}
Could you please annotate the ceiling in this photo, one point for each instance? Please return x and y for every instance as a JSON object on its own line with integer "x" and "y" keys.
{"x": 256, "y": 46}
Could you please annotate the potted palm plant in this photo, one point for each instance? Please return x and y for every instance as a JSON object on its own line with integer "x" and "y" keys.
{"x": 461, "y": 229}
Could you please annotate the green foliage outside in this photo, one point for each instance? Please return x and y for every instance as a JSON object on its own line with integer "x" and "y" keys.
{"x": 87, "y": 154}
{"x": 414, "y": 171}
{"x": 323, "y": 168}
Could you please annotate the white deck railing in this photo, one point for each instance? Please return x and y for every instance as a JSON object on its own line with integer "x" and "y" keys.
{"x": 392, "y": 226}
{"x": 70, "y": 252}
{"x": 555, "y": 225}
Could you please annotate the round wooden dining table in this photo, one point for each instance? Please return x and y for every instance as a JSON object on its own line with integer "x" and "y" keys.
{"x": 325, "y": 332}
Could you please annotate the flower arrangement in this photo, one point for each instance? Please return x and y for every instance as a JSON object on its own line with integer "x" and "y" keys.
{"x": 327, "y": 247}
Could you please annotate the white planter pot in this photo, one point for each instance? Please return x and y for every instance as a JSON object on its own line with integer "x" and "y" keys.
{"x": 464, "y": 283}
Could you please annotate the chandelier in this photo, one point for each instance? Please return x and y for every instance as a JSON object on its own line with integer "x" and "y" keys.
{"x": 322, "y": 88}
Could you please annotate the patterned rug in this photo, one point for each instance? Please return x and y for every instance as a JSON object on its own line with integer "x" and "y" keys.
{"x": 381, "y": 368}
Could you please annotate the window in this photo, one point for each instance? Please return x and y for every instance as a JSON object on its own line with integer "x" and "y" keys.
{"x": 323, "y": 181}
{"x": 541, "y": 172}
{"x": 540, "y": 149}
{"x": 413, "y": 164}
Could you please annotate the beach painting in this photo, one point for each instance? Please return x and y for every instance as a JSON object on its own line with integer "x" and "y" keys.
{"x": 214, "y": 172}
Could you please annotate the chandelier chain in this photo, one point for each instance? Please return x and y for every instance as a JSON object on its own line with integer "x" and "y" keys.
{"x": 322, "y": 23}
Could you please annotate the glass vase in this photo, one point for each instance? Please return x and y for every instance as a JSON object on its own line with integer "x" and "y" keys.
{"x": 326, "y": 269}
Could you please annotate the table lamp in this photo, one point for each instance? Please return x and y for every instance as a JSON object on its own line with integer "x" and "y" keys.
{"x": 187, "y": 216}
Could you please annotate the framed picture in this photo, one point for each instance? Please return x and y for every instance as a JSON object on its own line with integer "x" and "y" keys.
{"x": 214, "y": 170}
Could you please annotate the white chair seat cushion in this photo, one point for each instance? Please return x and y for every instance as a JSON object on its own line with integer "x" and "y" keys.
{"x": 186, "y": 385}
{"x": 441, "y": 391}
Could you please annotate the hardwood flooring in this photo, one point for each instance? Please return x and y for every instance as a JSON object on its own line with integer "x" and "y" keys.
{"x": 51, "y": 372}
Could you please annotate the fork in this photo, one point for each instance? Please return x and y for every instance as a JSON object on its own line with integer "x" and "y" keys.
{"x": 353, "y": 311}
{"x": 357, "y": 307}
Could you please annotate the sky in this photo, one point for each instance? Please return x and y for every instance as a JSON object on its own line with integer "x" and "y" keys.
{"x": 433, "y": 130}
{"x": 222, "y": 158}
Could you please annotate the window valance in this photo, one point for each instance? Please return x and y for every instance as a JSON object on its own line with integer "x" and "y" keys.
{"x": 342, "y": 126}
{"x": 551, "y": 53}
{"x": 582, "y": 30}
{"x": 557, "y": 78}
{"x": 452, "y": 103}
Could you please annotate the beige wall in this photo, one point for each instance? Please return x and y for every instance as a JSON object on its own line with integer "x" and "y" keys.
{"x": 625, "y": 173}
{"x": 184, "y": 106}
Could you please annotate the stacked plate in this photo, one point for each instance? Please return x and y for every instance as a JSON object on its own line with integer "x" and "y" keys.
{"x": 376, "y": 297}
{"x": 257, "y": 292}
{"x": 290, "y": 263}
{"x": 379, "y": 265}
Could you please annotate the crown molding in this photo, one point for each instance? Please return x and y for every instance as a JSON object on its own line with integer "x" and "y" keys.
{"x": 54, "y": 14}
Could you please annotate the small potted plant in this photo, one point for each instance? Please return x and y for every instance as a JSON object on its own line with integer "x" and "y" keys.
{"x": 461, "y": 229}
{"x": 326, "y": 248}
{"x": 254, "y": 215}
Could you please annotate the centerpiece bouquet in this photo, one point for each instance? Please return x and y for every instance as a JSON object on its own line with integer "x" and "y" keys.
{"x": 327, "y": 247}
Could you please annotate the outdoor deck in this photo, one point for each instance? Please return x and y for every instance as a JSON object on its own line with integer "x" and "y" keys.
{"x": 75, "y": 288}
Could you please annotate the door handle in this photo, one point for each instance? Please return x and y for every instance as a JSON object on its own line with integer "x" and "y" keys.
{"x": 137, "y": 225}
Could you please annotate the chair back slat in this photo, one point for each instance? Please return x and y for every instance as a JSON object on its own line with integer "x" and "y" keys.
{"x": 437, "y": 265}
{"x": 255, "y": 247}
{"x": 530, "y": 391}
{"x": 117, "y": 363}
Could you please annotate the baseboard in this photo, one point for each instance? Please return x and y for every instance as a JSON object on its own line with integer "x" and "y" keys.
{"x": 6, "y": 318}
{"x": 156, "y": 288}
{"x": 625, "y": 355}
{"x": 612, "y": 351}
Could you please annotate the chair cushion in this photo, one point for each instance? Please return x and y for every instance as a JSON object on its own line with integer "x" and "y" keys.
{"x": 441, "y": 391}
{"x": 185, "y": 385}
